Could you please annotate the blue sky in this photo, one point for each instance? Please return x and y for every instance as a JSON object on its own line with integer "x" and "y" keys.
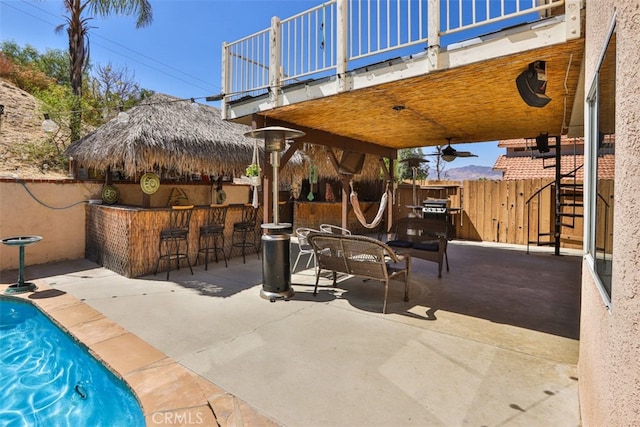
{"x": 180, "y": 52}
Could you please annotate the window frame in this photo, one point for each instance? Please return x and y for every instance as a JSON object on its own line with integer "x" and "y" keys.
{"x": 591, "y": 172}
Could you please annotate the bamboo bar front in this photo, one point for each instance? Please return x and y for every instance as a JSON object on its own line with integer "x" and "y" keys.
{"x": 125, "y": 239}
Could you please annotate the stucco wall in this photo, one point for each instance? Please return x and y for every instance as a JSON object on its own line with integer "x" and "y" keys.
{"x": 610, "y": 341}
{"x": 63, "y": 230}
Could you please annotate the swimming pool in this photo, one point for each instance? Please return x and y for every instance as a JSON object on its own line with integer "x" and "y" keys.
{"x": 49, "y": 379}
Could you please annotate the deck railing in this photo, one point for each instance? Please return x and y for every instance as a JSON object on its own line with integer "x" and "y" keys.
{"x": 335, "y": 36}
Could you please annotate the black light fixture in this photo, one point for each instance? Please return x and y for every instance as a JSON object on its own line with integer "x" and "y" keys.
{"x": 532, "y": 84}
{"x": 542, "y": 142}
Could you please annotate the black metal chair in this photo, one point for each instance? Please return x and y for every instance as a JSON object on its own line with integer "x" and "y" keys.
{"x": 244, "y": 229}
{"x": 174, "y": 241}
{"x": 211, "y": 238}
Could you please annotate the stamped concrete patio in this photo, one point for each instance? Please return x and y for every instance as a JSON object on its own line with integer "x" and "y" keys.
{"x": 493, "y": 342}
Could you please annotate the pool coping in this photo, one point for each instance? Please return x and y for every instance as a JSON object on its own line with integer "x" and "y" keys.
{"x": 168, "y": 393}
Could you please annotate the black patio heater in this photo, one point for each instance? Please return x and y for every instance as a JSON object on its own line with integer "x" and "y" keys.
{"x": 276, "y": 265}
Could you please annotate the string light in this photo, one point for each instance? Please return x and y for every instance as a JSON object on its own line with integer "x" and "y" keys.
{"x": 123, "y": 117}
{"x": 49, "y": 125}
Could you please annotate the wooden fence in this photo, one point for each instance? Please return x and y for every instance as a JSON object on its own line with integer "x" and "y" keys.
{"x": 496, "y": 211}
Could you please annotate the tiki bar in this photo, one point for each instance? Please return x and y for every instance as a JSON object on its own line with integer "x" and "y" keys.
{"x": 168, "y": 159}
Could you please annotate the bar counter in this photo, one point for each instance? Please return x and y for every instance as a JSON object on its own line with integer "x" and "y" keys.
{"x": 125, "y": 239}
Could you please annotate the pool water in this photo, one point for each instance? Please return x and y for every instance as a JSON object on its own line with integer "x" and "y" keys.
{"x": 49, "y": 379}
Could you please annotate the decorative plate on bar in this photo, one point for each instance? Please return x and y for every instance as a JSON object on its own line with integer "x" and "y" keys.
{"x": 149, "y": 182}
{"x": 110, "y": 194}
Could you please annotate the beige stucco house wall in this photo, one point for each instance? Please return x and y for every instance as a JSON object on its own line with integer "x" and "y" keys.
{"x": 609, "y": 374}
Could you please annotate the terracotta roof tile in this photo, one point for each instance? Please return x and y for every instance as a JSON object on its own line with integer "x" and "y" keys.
{"x": 531, "y": 142}
{"x": 525, "y": 167}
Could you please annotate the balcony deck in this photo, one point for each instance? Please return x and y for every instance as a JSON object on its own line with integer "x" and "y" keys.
{"x": 465, "y": 90}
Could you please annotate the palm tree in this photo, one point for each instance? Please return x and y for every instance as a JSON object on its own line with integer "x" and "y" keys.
{"x": 80, "y": 12}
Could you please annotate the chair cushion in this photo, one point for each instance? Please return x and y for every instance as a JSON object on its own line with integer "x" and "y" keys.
{"x": 433, "y": 247}
{"x": 400, "y": 243}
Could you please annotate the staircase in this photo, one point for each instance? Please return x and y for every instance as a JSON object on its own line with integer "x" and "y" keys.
{"x": 568, "y": 204}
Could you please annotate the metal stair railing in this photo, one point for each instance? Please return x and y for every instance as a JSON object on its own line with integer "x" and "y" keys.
{"x": 537, "y": 194}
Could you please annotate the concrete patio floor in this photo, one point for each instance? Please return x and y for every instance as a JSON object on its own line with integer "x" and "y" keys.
{"x": 494, "y": 342}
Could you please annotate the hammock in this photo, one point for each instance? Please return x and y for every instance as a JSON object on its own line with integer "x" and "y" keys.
{"x": 356, "y": 208}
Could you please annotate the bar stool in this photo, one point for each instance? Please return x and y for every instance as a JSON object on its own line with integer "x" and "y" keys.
{"x": 211, "y": 238}
{"x": 172, "y": 238}
{"x": 242, "y": 229}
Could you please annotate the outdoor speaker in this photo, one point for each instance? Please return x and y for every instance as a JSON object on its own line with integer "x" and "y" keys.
{"x": 351, "y": 162}
{"x": 532, "y": 83}
{"x": 542, "y": 142}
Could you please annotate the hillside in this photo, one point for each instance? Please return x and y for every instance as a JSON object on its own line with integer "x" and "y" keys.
{"x": 471, "y": 173}
{"x": 22, "y": 140}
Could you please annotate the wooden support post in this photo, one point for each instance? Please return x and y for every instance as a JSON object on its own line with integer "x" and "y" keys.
{"x": 346, "y": 187}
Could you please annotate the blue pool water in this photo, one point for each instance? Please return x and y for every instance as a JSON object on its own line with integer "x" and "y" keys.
{"x": 48, "y": 379}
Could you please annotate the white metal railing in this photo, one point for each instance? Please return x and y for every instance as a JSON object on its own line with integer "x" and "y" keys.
{"x": 308, "y": 42}
{"x": 324, "y": 40}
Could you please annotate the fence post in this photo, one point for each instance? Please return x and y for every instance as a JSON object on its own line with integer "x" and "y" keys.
{"x": 274, "y": 62}
{"x": 342, "y": 38}
{"x": 433, "y": 33}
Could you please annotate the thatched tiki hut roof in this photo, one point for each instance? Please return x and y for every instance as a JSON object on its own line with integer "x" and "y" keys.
{"x": 168, "y": 135}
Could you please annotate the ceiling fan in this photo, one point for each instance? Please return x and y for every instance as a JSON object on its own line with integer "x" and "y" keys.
{"x": 449, "y": 154}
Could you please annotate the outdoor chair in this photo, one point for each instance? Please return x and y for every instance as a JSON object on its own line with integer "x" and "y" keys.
{"x": 211, "y": 237}
{"x": 244, "y": 232}
{"x": 304, "y": 246}
{"x": 360, "y": 256}
{"x": 334, "y": 229}
{"x": 174, "y": 241}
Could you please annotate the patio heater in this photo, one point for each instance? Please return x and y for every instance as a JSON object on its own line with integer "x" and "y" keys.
{"x": 276, "y": 264}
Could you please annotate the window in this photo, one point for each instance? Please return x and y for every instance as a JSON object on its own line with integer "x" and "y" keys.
{"x": 599, "y": 180}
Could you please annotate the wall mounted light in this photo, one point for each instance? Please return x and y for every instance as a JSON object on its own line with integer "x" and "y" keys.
{"x": 532, "y": 84}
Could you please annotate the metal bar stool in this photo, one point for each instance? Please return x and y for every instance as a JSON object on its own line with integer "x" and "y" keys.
{"x": 211, "y": 238}
{"x": 173, "y": 238}
{"x": 242, "y": 229}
